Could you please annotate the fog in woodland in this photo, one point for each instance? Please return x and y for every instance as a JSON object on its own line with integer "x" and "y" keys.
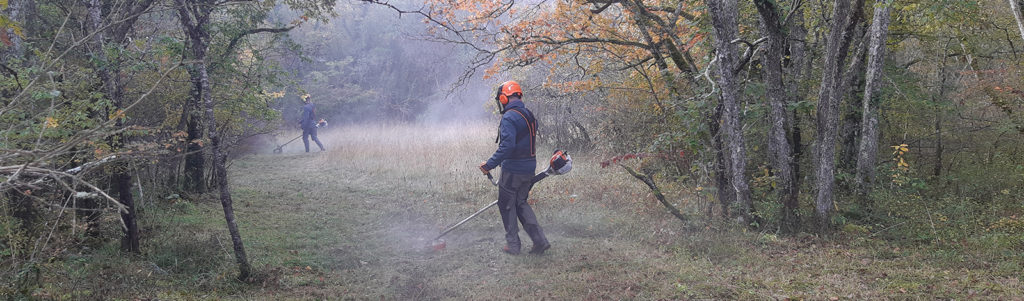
{"x": 722, "y": 149}
{"x": 371, "y": 64}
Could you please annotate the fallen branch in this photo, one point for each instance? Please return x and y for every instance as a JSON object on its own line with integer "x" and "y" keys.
{"x": 657, "y": 192}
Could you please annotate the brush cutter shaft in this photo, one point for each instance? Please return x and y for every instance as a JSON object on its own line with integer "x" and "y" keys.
{"x": 467, "y": 219}
{"x": 539, "y": 177}
{"x": 290, "y": 141}
{"x": 564, "y": 166}
{"x": 536, "y": 179}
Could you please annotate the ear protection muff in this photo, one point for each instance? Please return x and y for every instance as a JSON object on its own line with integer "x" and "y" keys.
{"x": 507, "y": 89}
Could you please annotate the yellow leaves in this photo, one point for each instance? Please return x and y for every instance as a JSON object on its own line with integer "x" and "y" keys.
{"x": 116, "y": 114}
{"x": 5, "y": 24}
{"x": 900, "y": 150}
{"x": 50, "y": 123}
{"x": 902, "y": 163}
{"x": 277, "y": 94}
{"x": 1011, "y": 224}
{"x": 902, "y": 167}
{"x": 567, "y": 34}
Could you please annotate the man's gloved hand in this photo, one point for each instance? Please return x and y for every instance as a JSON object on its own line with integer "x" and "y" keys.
{"x": 483, "y": 168}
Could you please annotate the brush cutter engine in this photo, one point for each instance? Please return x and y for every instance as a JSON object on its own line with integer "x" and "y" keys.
{"x": 560, "y": 163}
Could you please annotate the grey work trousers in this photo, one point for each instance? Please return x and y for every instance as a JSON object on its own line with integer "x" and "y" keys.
{"x": 306, "y": 133}
{"x": 513, "y": 190}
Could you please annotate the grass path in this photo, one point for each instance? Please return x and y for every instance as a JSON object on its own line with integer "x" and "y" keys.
{"x": 360, "y": 217}
{"x": 353, "y": 223}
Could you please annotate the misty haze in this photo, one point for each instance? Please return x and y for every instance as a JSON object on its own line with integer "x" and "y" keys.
{"x": 511, "y": 150}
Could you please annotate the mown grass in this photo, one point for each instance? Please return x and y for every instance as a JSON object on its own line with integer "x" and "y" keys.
{"x": 353, "y": 223}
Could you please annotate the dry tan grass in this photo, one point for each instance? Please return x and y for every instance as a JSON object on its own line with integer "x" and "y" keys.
{"x": 396, "y": 186}
{"x": 412, "y": 181}
{"x": 354, "y": 223}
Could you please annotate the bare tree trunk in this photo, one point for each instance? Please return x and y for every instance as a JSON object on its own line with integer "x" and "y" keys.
{"x": 800, "y": 66}
{"x": 195, "y": 163}
{"x": 852, "y": 88}
{"x": 778, "y": 141}
{"x": 723, "y": 19}
{"x": 195, "y": 20}
{"x": 110, "y": 74}
{"x": 724, "y": 192}
{"x": 872, "y": 99}
{"x": 1015, "y": 10}
{"x": 844, "y": 18}
{"x": 17, "y": 10}
{"x": 937, "y": 100}
{"x": 220, "y": 166}
{"x": 123, "y": 184}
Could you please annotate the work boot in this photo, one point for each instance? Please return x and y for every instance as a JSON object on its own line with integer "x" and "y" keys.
{"x": 539, "y": 249}
{"x": 509, "y": 250}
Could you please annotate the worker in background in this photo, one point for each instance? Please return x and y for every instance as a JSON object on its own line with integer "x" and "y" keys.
{"x": 516, "y": 154}
{"x": 309, "y": 123}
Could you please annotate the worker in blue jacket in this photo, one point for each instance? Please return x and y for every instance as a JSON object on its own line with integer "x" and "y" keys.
{"x": 516, "y": 155}
{"x": 309, "y": 123}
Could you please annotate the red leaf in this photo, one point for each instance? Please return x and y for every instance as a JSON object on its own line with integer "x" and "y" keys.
{"x": 5, "y": 38}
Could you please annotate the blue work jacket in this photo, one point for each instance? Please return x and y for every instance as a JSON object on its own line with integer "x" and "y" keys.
{"x": 308, "y": 120}
{"x": 517, "y": 141}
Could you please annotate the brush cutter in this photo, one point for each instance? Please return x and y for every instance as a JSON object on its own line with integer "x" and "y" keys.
{"x": 320, "y": 124}
{"x": 279, "y": 148}
{"x": 559, "y": 164}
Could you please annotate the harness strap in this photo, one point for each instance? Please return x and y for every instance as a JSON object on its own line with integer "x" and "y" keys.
{"x": 533, "y": 130}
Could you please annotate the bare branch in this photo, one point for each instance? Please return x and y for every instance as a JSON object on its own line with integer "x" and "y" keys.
{"x": 646, "y": 178}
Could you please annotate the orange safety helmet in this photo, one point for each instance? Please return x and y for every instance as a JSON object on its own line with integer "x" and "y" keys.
{"x": 509, "y": 88}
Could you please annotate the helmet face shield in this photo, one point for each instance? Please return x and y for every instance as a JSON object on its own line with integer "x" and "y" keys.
{"x": 497, "y": 100}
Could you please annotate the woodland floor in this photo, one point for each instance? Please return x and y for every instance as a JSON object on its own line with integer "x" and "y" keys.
{"x": 354, "y": 223}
